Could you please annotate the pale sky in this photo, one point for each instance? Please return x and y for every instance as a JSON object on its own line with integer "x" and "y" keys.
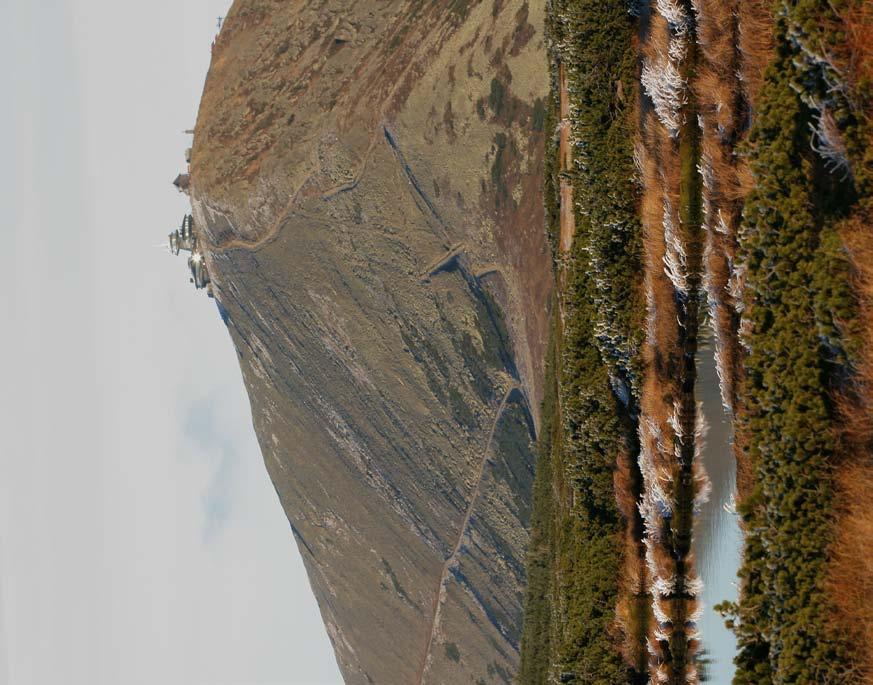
{"x": 141, "y": 541}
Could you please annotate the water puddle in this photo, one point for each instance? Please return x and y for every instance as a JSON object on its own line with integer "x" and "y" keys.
{"x": 716, "y": 531}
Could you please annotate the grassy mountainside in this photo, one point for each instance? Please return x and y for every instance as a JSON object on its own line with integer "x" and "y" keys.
{"x": 366, "y": 183}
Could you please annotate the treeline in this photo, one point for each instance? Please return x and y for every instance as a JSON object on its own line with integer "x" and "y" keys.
{"x": 585, "y": 558}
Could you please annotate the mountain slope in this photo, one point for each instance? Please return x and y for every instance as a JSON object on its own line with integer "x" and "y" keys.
{"x": 366, "y": 182}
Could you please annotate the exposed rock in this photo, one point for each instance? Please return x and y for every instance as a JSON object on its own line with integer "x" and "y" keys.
{"x": 366, "y": 180}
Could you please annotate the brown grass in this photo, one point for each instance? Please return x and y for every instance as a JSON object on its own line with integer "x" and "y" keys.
{"x": 713, "y": 30}
{"x": 857, "y": 235}
{"x": 718, "y": 91}
{"x": 658, "y": 38}
{"x": 624, "y": 489}
{"x": 632, "y": 614}
{"x": 736, "y": 46}
{"x": 745, "y": 179}
{"x": 857, "y": 60}
{"x": 659, "y": 154}
{"x": 851, "y": 568}
{"x": 755, "y": 43}
{"x": 661, "y": 170}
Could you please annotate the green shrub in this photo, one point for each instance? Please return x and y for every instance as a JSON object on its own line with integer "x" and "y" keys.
{"x": 575, "y": 556}
{"x": 797, "y": 292}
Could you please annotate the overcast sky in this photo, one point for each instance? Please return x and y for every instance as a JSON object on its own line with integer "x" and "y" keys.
{"x": 141, "y": 541}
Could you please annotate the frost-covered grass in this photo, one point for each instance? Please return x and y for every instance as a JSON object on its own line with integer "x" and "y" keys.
{"x": 670, "y": 430}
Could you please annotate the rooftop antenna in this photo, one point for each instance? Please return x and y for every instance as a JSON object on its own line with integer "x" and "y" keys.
{"x": 189, "y": 131}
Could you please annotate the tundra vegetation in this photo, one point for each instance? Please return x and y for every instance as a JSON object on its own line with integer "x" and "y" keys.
{"x": 721, "y": 175}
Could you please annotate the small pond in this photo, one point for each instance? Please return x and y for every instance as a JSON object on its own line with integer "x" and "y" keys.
{"x": 717, "y": 534}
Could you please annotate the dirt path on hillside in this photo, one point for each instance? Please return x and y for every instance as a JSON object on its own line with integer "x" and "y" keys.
{"x": 273, "y": 229}
{"x": 452, "y": 558}
{"x": 565, "y": 163}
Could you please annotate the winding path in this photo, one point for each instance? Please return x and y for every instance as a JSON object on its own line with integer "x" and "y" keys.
{"x": 452, "y": 558}
{"x": 565, "y": 158}
{"x": 273, "y": 229}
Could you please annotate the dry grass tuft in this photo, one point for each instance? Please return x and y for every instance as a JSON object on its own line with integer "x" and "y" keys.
{"x": 745, "y": 180}
{"x": 624, "y": 487}
{"x": 857, "y": 24}
{"x": 755, "y": 43}
{"x": 713, "y": 29}
{"x": 716, "y": 93}
{"x": 858, "y": 415}
{"x": 851, "y": 568}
